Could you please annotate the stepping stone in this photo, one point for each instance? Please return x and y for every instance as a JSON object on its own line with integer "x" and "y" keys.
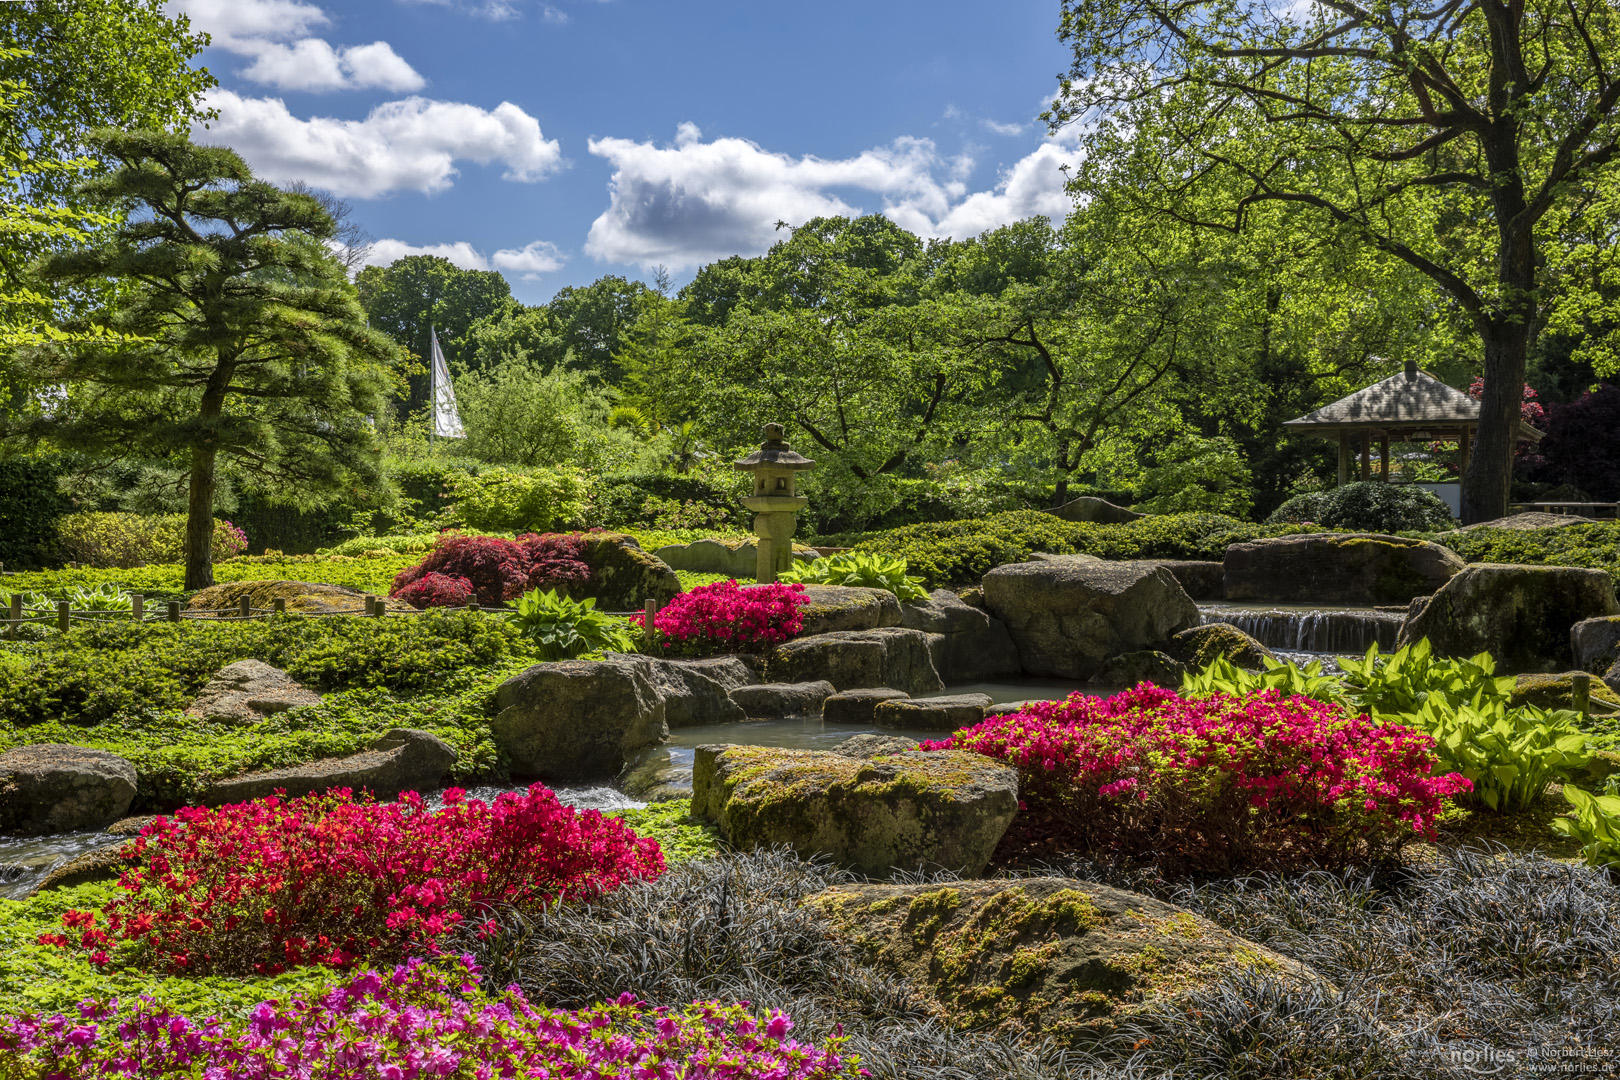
{"x": 771, "y": 701}
{"x": 857, "y": 706}
{"x": 933, "y": 714}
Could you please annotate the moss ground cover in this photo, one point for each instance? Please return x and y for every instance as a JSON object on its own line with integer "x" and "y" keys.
{"x": 1595, "y": 545}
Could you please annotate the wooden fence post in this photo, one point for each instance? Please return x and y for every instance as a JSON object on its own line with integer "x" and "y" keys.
{"x": 245, "y": 607}
{"x": 62, "y": 609}
{"x": 472, "y": 605}
{"x": 137, "y": 606}
{"x": 649, "y": 614}
{"x": 1580, "y": 692}
{"x": 174, "y": 611}
{"x": 279, "y": 605}
{"x": 16, "y": 614}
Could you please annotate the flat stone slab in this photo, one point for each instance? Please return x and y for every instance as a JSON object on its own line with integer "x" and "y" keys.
{"x": 404, "y": 759}
{"x": 769, "y": 701}
{"x": 934, "y": 713}
{"x": 55, "y": 787}
{"x": 870, "y": 746}
{"x": 857, "y": 706}
{"x": 248, "y": 691}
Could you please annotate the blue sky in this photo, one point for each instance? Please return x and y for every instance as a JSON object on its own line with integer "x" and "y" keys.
{"x": 557, "y": 142}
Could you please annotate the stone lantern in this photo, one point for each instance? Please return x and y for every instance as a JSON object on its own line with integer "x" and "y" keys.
{"x": 775, "y": 501}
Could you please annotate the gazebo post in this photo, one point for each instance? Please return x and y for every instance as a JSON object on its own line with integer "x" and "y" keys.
{"x": 1344, "y": 458}
{"x": 1366, "y": 455}
{"x": 1467, "y": 438}
{"x": 1383, "y": 457}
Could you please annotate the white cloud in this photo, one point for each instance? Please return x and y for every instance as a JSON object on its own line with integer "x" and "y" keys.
{"x": 1003, "y": 129}
{"x": 531, "y": 260}
{"x": 312, "y": 64}
{"x": 242, "y": 25}
{"x": 406, "y": 145}
{"x": 698, "y": 201}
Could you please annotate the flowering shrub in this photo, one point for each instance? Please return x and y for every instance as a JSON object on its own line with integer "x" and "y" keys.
{"x": 725, "y": 617}
{"x": 263, "y": 886}
{"x": 497, "y": 569}
{"x": 417, "y": 1022}
{"x": 1220, "y": 783}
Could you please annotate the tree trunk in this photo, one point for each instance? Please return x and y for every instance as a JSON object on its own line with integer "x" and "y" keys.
{"x": 200, "y": 519}
{"x": 1060, "y": 493}
{"x": 1490, "y": 467}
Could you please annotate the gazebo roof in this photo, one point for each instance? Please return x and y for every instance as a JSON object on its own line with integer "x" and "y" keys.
{"x": 1401, "y": 406}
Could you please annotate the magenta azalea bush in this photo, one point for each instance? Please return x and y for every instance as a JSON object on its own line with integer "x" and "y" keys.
{"x": 415, "y": 1023}
{"x": 726, "y": 617}
{"x": 1220, "y": 783}
{"x": 263, "y": 886}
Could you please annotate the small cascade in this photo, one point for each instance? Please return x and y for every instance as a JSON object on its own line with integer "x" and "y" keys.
{"x": 1346, "y": 631}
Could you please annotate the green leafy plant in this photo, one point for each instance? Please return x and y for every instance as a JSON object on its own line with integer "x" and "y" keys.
{"x": 104, "y": 597}
{"x": 1367, "y": 506}
{"x": 1511, "y": 755}
{"x": 1595, "y": 823}
{"x": 562, "y": 628}
{"x": 1403, "y": 680}
{"x": 1224, "y": 677}
{"x": 506, "y": 500}
{"x": 859, "y": 568}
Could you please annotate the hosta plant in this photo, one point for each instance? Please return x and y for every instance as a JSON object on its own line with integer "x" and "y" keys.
{"x": 1510, "y": 755}
{"x": 264, "y": 886}
{"x": 562, "y": 629}
{"x": 1221, "y": 783}
{"x": 1594, "y": 821}
{"x": 1403, "y": 681}
{"x": 411, "y": 1024}
{"x": 860, "y": 568}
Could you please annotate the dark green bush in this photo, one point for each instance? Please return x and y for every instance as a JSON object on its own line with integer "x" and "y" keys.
{"x": 960, "y": 552}
{"x": 621, "y": 500}
{"x": 96, "y": 673}
{"x": 29, "y": 506}
{"x": 1367, "y": 506}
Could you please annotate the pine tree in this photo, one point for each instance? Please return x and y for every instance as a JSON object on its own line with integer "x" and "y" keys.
{"x": 236, "y": 336}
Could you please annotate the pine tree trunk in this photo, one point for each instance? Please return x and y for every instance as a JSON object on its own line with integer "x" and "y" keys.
{"x": 200, "y": 520}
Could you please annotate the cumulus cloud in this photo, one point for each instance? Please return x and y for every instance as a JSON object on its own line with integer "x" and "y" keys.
{"x": 531, "y": 260}
{"x": 695, "y": 201}
{"x": 1003, "y": 129}
{"x": 263, "y": 29}
{"x": 408, "y": 145}
{"x": 312, "y": 64}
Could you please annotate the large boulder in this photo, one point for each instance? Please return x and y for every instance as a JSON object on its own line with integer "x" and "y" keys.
{"x": 1091, "y": 509}
{"x": 1068, "y": 616}
{"x": 868, "y": 746}
{"x": 1044, "y": 957}
{"x": 1596, "y": 643}
{"x": 55, "y": 788}
{"x": 1338, "y": 568}
{"x": 1143, "y": 665}
{"x": 1202, "y": 580}
{"x": 1203, "y": 645}
{"x": 843, "y": 607}
{"x": 772, "y": 701}
{"x": 403, "y": 759}
{"x": 103, "y": 864}
{"x": 890, "y": 656}
{"x": 248, "y": 691}
{"x": 945, "y": 713}
{"x": 303, "y": 597}
{"x": 577, "y": 721}
{"x": 698, "y": 692}
{"x": 913, "y": 810}
{"x": 624, "y": 577}
{"x": 1521, "y": 615}
{"x": 966, "y": 644}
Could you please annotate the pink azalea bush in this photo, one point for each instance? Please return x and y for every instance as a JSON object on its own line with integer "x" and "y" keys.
{"x": 494, "y": 568}
{"x": 1220, "y": 783}
{"x": 263, "y": 886}
{"x": 726, "y": 617}
{"x": 415, "y": 1023}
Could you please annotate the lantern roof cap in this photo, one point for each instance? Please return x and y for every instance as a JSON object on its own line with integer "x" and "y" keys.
{"x": 774, "y": 452}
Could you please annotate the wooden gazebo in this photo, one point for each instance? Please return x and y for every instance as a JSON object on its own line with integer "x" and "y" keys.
{"x": 1413, "y": 406}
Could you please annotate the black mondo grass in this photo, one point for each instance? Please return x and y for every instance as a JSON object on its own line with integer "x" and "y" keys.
{"x": 1480, "y": 962}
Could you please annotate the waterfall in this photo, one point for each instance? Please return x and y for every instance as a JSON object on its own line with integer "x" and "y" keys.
{"x": 1343, "y": 631}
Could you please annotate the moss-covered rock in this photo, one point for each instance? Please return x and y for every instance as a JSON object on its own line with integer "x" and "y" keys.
{"x": 1143, "y": 665}
{"x": 1596, "y": 643}
{"x": 1521, "y": 615}
{"x": 890, "y": 656}
{"x": 623, "y": 576}
{"x": 1201, "y": 579}
{"x": 1338, "y": 568}
{"x": 734, "y": 558}
{"x": 306, "y": 597}
{"x": 941, "y": 809}
{"x": 1203, "y": 645}
{"x": 579, "y": 721}
{"x": 1557, "y": 692}
{"x": 844, "y": 607}
{"x": 1045, "y": 957}
{"x": 103, "y": 864}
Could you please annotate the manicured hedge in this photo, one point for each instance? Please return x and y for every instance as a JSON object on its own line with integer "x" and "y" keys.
{"x": 961, "y": 552}
{"x": 1596, "y": 545}
{"x": 1367, "y": 506}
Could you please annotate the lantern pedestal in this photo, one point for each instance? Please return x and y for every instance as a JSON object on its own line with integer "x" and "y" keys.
{"x": 775, "y": 519}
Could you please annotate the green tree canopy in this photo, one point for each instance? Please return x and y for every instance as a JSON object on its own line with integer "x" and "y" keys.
{"x": 237, "y": 336}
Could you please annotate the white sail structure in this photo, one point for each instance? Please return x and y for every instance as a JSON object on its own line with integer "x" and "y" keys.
{"x": 446, "y": 420}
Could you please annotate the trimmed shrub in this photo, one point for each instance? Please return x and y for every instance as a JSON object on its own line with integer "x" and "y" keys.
{"x": 962, "y": 552}
{"x": 1367, "y": 506}
{"x": 659, "y": 498}
{"x": 495, "y": 568}
{"x": 1220, "y": 784}
{"x": 725, "y": 618}
{"x": 503, "y": 500}
{"x": 125, "y": 541}
{"x": 335, "y": 880}
{"x": 436, "y": 590}
{"x": 1595, "y": 545}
